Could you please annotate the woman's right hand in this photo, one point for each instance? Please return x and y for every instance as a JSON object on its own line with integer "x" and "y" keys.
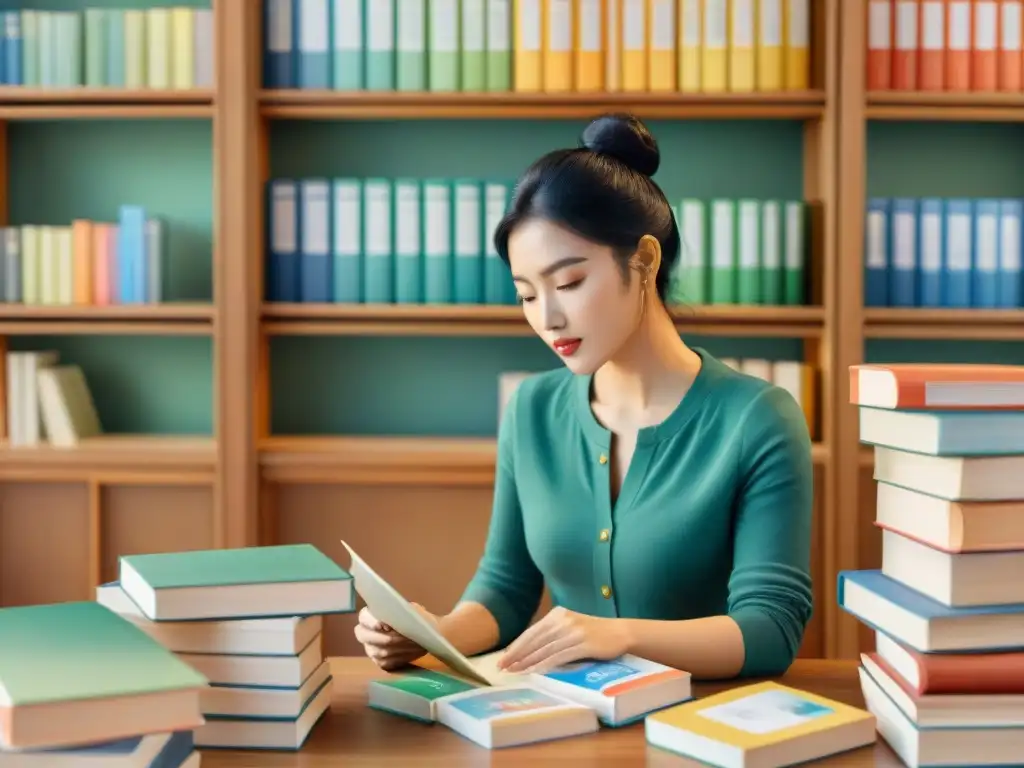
{"x": 388, "y": 649}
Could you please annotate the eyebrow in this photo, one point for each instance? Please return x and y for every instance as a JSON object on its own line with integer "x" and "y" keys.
{"x": 552, "y": 268}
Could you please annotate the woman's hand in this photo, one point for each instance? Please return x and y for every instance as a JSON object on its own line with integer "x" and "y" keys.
{"x": 562, "y": 637}
{"x": 388, "y": 649}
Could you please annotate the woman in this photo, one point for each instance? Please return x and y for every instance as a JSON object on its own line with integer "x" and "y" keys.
{"x": 663, "y": 498}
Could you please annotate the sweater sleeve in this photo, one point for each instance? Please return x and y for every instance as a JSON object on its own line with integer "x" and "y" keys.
{"x": 507, "y": 582}
{"x": 770, "y": 595}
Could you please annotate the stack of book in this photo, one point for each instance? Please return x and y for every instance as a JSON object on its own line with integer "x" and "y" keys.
{"x": 250, "y": 620}
{"x": 81, "y": 686}
{"x": 946, "y": 681}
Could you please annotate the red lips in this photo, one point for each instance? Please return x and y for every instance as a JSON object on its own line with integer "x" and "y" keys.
{"x": 566, "y": 347}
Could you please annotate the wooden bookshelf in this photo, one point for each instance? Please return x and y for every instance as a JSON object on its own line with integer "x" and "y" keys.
{"x": 944, "y": 106}
{"x": 336, "y": 105}
{"x": 952, "y": 324}
{"x": 471, "y": 320}
{"x": 173, "y": 319}
{"x": 23, "y": 103}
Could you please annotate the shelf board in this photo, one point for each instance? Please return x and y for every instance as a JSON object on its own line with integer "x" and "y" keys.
{"x": 945, "y": 106}
{"x": 24, "y": 103}
{"x": 507, "y": 320}
{"x": 944, "y": 324}
{"x": 171, "y": 319}
{"x": 421, "y": 461}
{"x": 376, "y": 105}
{"x": 128, "y": 459}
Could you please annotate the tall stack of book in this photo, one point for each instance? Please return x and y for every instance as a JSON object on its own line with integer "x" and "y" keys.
{"x": 82, "y": 686}
{"x": 946, "y": 681}
{"x": 250, "y": 620}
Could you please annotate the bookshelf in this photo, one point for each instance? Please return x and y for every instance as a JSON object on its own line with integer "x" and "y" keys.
{"x": 281, "y": 422}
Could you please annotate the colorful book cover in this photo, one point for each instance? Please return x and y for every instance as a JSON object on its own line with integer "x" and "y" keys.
{"x": 427, "y": 683}
{"x": 614, "y": 678}
{"x": 493, "y": 703}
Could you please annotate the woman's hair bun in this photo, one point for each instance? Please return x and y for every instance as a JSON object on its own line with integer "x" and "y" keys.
{"x": 626, "y": 139}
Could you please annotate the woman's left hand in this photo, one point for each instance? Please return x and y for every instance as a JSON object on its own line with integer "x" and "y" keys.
{"x": 562, "y": 637}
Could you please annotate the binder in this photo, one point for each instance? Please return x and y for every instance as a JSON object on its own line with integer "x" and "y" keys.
{"x": 741, "y": 45}
{"x": 380, "y": 44}
{"x": 443, "y": 56}
{"x": 279, "y": 70}
{"x": 879, "y": 54}
{"x": 798, "y": 45}
{"x": 661, "y": 40}
{"x": 1010, "y": 63}
{"x": 472, "y": 27}
{"x": 315, "y": 239}
{"x": 411, "y": 45}
{"x": 959, "y": 34}
{"x": 634, "y": 45}
{"x": 693, "y": 257}
{"x": 876, "y": 253}
{"x": 771, "y": 70}
{"x": 904, "y": 256}
{"x": 772, "y": 247}
{"x": 348, "y": 241}
{"x": 959, "y": 256}
{"x": 1010, "y": 213}
{"x": 931, "y": 67}
{"x": 723, "y": 252}
{"x": 469, "y": 256}
{"x": 378, "y": 273}
{"x": 498, "y": 287}
{"x": 985, "y": 272}
{"x": 931, "y": 236}
{"x": 528, "y": 70}
{"x": 984, "y": 55}
{"x": 690, "y": 51}
{"x": 905, "y": 45}
{"x": 612, "y": 45}
{"x": 748, "y": 249}
{"x": 314, "y": 44}
{"x": 437, "y": 245}
{"x": 282, "y": 241}
{"x": 587, "y": 45}
{"x": 408, "y": 242}
{"x": 499, "y": 45}
{"x": 558, "y": 45}
{"x": 794, "y": 262}
{"x": 347, "y": 24}
{"x": 715, "y": 57}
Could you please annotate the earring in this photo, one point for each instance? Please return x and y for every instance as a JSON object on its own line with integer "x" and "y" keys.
{"x": 643, "y": 292}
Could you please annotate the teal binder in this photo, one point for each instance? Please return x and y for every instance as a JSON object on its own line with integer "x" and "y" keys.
{"x": 437, "y": 241}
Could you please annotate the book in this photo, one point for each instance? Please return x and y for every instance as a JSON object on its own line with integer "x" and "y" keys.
{"x": 764, "y": 724}
{"x": 504, "y": 716}
{"x": 68, "y": 670}
{"x": 253, "y": 582}
{"x": 154, "y": 750}
{"x": 931, "y": 386}
{"x": 415, "y": 693}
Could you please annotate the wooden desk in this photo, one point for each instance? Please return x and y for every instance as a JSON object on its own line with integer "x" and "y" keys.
{"x": 354, "y": 736}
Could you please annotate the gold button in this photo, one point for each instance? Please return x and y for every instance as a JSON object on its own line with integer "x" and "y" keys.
{"x": 603, "y": 459}
{"x": 605, "y": 535}
{"x": 606, "y": 591}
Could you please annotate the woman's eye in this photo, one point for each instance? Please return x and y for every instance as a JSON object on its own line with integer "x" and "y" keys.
{"x": 524, "y": 299}
{"x": 570, "y": 286}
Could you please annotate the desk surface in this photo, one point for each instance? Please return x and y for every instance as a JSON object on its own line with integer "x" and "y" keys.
{"x": 354, "y": 736}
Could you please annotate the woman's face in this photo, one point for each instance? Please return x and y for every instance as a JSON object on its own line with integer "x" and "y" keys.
{"x": 573, "y": 293}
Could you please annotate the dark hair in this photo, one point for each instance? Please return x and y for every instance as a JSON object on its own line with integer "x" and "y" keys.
{"x": 602, "y": 191}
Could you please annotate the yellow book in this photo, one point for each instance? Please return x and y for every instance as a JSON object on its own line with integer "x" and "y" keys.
{"x": 82, "y": 236}
{"x": 158, "y": 47}
{"x": 661, "y": 40}
{"x": 741, "y": 45}
{"x": 767, "y": 724}
{"x": 31, "y": 264}
{"x": 528, "y": 60}
{"x": 690, "y": 25}
{"x": 797, "y": 34}
{"x": 134, "y": 48}
{"x": 771, "y": 71}
{"x": 48, "y": 283}
{"x": 588, "y": 16}
{"x": 612, "y": 45}
{"x": 715, "y": 59}
{"x": 182, "y": 47}
{"x": 65, "y": 261}
{"x": 558, "y": 50}
{"x": 634, "y": 45}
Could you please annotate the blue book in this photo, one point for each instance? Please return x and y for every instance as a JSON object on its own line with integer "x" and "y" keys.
{"x": 903, "y": 254}
{"x": 348, "y": 241}
{"x": 877, "y": 242}
{"x": 985, "y": 266}
{"x": 283, "y": 246}
{"x": 498, "y": 286}
{"x": 1010, "y": 215}
{"x": 927, "y": 626}
{"x": 958, "y": 260}
{"x": 931, "y": 236}
{"x": 12, "y": 47}
{"x": 312, "y": 41}
{"x": 315, "y": 262}
{"x": 278, "y": 44}
{"x": 115, "y": 47}
{"x": 132, "y": 262}
{"x": 944, "y": 433}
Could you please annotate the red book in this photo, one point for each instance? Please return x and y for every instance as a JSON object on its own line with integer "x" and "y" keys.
{"x": 879, "y": 55}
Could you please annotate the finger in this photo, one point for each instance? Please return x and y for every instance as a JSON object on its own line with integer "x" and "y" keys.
{"x": 369, "y": 621}
{"x": 540, "y": 656}
{"x": 533, "y": 638}
{"x": 382, "y": 639}
{"x": 567, "y": 655}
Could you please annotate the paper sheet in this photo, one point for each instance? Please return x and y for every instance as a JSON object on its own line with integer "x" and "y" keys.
{"x": 385, "y": 602}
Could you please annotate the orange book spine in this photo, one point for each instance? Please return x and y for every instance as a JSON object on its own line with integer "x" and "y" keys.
{"x": 958, "y": 45}
{"x": 82, "y": 258}
{"x": 931, "y": 62}
{"x": 879, "y": 54}
{"x": 904, "y": 45}
{"x": 984, "y": 56}
{"x": 1010, "y": 59}
{"x": 101, "y": 278}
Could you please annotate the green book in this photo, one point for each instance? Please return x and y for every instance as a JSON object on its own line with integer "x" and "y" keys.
{"x": 415, "y": 694}
{"x": 443, "y": 46}
{"x": 69, "y": 670}
{"x": 771, "y": 253}
{"x": 348, "y": 39}
{"x": 95, "y": 47}
{"x": 748, "y": 251}
{"x": 472, "y": 25}
{"x": 30, "y": 48}
{"x": 380, "y": 45}
{"x": 499, "y": 45}
{"x": 253, "y": 582}
{"x": 690, "y": 282}
{"x": 723, "y": 252}
{"x": 795, "y": 260}
{"x": 411, "y": 46}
